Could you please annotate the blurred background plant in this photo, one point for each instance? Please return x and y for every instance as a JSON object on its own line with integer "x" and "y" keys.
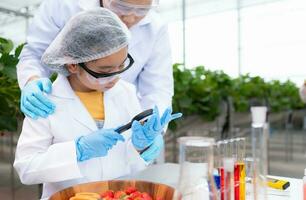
{"x": 9, "y": 90}
{"x": 199, "y": 91}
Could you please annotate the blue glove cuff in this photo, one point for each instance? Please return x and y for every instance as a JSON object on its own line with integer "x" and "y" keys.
{"x": 79, "y": 151}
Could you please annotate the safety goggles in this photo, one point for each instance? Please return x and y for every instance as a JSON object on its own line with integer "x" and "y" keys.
{"x": 127, "y": 63}
{"x": 124, "y": 8}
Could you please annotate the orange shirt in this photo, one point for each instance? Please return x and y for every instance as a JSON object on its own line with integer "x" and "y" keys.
{"x": 94, "y": 103}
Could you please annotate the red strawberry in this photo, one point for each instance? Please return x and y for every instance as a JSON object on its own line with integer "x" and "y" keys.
{"x": 135, "y": 195}
{"x": 130, "y": 190}
{"x": 108, "y": 193}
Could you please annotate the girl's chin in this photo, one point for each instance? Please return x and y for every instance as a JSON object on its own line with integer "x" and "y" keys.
{"x": 104, "y": 88}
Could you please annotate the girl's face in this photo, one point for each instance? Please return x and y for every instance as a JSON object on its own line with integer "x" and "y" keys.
{"x": 129, "y": 11}
{"x": 83, "y": 81}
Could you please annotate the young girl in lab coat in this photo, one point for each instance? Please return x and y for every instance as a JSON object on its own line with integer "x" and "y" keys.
{"x": 78, "y": 143}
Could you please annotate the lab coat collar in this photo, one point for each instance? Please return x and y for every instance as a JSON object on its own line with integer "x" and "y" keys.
{"x": 136, "y": 29}
{"x": 146, "y": 20}
{"x": 62, "y": 89}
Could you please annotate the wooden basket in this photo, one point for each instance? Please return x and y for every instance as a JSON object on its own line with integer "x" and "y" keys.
{"x": 154, "y": 189}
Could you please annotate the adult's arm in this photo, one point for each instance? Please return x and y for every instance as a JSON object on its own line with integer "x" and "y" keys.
{"x": 45, "y": 26}
{"x": 155, "y": 81}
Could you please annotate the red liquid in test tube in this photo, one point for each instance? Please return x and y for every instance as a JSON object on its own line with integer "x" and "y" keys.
{"x": 221, "y": 173}
{"x": 237, "y": 181}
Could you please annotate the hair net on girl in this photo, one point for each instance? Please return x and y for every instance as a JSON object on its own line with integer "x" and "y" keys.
{"x": 87, "y": 36}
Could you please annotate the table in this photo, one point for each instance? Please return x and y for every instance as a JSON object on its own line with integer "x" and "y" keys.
{"x": 168, "y": 173}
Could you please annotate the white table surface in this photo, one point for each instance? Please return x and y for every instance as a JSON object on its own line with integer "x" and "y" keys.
{"x": 168, "y": 173}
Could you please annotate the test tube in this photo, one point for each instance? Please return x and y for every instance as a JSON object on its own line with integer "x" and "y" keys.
{"x": 259, "y": 152}
{"x": 229, "y": 192}
{"x": 222, "y": 153}
{"x": 239, "y": 169}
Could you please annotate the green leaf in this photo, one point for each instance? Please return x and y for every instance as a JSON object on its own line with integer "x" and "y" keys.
{"x": 53, "y": 77}
{"x": 10, "y": 72}
{"x": 18, "y": 50}
{"x": 6, "y": 45}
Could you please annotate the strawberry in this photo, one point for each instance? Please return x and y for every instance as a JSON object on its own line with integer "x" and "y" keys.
{"x": 130, "y": 190}
{"x": 108, "y": 193}
{"x": 135, "y": 195}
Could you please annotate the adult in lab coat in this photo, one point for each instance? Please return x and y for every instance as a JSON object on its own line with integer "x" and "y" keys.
{"x": 149, "y": 46}
{"x": 65, "y": 148}
{"x": 302, "y": 93}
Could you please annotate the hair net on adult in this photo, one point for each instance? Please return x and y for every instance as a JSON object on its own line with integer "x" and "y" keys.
{"x": 87, "y": 36}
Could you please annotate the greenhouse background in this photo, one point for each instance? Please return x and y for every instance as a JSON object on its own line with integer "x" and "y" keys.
{"x": 227, "y": 55}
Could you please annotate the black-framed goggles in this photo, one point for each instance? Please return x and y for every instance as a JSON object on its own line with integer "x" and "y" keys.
{"x": 127, "y": 63}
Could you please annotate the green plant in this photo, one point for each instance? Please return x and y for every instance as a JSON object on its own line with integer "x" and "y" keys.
{"x": 199, "y": 91}
{"x": 182, "y": 78}
{"x": 247, "y": 88}
{"x": 9, "y": 90}
{"x": 207, "y": 90}
{"x": 283, "y": 96}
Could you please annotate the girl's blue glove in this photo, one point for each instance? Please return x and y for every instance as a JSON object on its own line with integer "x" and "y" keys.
{"x": 154, "y": 150}
{"x": 144, "y": 135}
{"x": 96, "y": 144}
{"x": 33, "y": 102}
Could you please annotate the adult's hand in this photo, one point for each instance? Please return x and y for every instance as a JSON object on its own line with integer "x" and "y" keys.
{"x": 33, "y": 101}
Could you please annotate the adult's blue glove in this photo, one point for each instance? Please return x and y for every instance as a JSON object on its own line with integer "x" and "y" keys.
{"x": 33, "y": 102}
{"x": 144, "y": 135}
{"x": 96, "y": 144}
{"x": 154, "y": 150}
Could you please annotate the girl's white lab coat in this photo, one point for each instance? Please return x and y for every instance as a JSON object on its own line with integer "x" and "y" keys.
{"x": 149, "y": 46}
{"x": 46, "y": 151}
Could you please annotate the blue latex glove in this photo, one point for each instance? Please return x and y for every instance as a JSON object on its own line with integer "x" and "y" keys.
{"x": 33, "y": 102}
{"x": 96, "y": 144}
{"x": 154, "y": 150}
{"x": 144, "y": 135}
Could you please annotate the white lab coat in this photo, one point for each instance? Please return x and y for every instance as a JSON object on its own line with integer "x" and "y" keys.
{"x": 46, "y": 150}
{"x": 149, "y": 46}
{"x": 302, "y": 92}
